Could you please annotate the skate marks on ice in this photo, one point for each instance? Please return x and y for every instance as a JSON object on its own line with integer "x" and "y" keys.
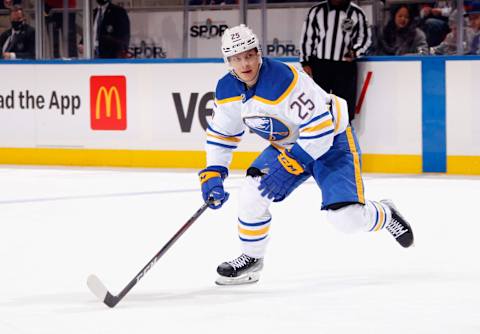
{"x": 97, "y": 196}
{"x": 268, "y": 289}
{"x": 341, "y": 284}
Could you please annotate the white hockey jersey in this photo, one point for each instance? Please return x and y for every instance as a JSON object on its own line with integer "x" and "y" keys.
{"x": 285, "y": 107}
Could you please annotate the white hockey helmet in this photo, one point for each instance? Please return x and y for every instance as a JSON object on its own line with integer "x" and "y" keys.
{"x": 238, "y": 39}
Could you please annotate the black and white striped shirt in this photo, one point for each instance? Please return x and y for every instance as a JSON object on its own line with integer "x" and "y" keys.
{"x": 330, "y": 33}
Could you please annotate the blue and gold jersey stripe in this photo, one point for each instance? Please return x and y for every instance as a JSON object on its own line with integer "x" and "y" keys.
{"x": 230, "y": 139}
{"x": 228, "y": 100}
{"x": 221, "y": 145}
{"x": 314, "y": 119}
{"x": 317, "y": 136}
{"x": 219, "y": 139}
{"x": 222, "y": 134}
{"x": 318, "y": 127}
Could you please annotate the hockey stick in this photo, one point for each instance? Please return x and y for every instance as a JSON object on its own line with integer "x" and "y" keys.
{"x": 99, "y": 289}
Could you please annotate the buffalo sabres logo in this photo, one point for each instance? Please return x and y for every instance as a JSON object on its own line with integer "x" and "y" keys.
{"x": 347, "y": 25}
{"x": 266, "y": 127}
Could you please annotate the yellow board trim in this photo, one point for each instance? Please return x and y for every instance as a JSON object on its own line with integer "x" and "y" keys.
{"x": 253, "y": 233}
{"x": 99, "y": 157}
{"x": 356, "y": 165}
{"x": 317, "y": 127}
{"x": 228, "y": 100}
{"x": 392, "y": 163}
{"x": 371, "y": 163}
{"x": 232, "y": 139}
{"x": 285, "y": 93}
{"x": 464, "y": 165}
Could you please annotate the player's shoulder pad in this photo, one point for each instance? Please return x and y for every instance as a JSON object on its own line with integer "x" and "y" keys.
{"x": 228, "y": 89}
{"x": 276, "y": 81}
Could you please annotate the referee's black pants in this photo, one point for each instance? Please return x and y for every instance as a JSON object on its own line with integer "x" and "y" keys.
{"x": 337, "y": 77}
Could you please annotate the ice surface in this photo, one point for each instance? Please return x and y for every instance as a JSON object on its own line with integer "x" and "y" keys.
{"x": 58, "y": 226}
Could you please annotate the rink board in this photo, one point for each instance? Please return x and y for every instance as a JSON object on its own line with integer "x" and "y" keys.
{"x": 152, "y": 113}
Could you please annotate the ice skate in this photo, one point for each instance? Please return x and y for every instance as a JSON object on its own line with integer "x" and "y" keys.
{"x": 243, "y": 270}
{"x": 398, "y": 226}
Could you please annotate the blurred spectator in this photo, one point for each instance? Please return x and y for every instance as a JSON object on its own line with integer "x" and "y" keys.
{"x": 218, "y": 2}
{"x": 473, "y": 13}
{"x": 8, "y": 4}
{"x": 335, "y": 33}
{"x": 18, "y": 42}
{"x": 400, "y": 36}
{"x": 434, "y": 21}
{"x": 111, "y": 29}
{"x": 54, "y": 21}
{"x": 449, "y": 44}
{"x": 5, "y": 19}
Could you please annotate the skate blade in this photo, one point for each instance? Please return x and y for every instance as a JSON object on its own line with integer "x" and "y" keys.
{"x": 248, "y": 278}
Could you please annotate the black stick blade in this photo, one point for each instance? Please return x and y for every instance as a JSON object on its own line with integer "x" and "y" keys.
{"x": 99, "y": 290}
{"x": 111, "y": 300}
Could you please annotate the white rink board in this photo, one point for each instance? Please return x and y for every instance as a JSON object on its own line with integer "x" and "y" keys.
{"x": 152, "y": 121}
{"x": 463, "y": 107}
{"x": 390, "y": 120}
{"x": 153, "y": 118}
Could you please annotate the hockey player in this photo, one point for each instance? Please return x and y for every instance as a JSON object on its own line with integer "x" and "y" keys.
{"x": 309, "y": 136}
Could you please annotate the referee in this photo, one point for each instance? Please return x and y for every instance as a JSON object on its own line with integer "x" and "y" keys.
{"x": 334, "y": 34}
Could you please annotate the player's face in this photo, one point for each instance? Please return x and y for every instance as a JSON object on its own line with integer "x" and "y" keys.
{"x": 246, "y": 65}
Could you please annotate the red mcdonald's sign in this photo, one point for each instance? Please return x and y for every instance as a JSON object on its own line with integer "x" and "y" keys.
{"x": 108, "y": 102}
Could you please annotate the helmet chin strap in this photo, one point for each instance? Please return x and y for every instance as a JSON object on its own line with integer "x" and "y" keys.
{"x": 232, "y": 72}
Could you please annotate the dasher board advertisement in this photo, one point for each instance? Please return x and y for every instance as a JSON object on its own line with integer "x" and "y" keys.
{"x": 154, "y": 113}
{"x": 162, "y": 107}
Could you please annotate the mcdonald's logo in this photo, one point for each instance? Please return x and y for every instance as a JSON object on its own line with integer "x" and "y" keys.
{"x": 108, "y": 102}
